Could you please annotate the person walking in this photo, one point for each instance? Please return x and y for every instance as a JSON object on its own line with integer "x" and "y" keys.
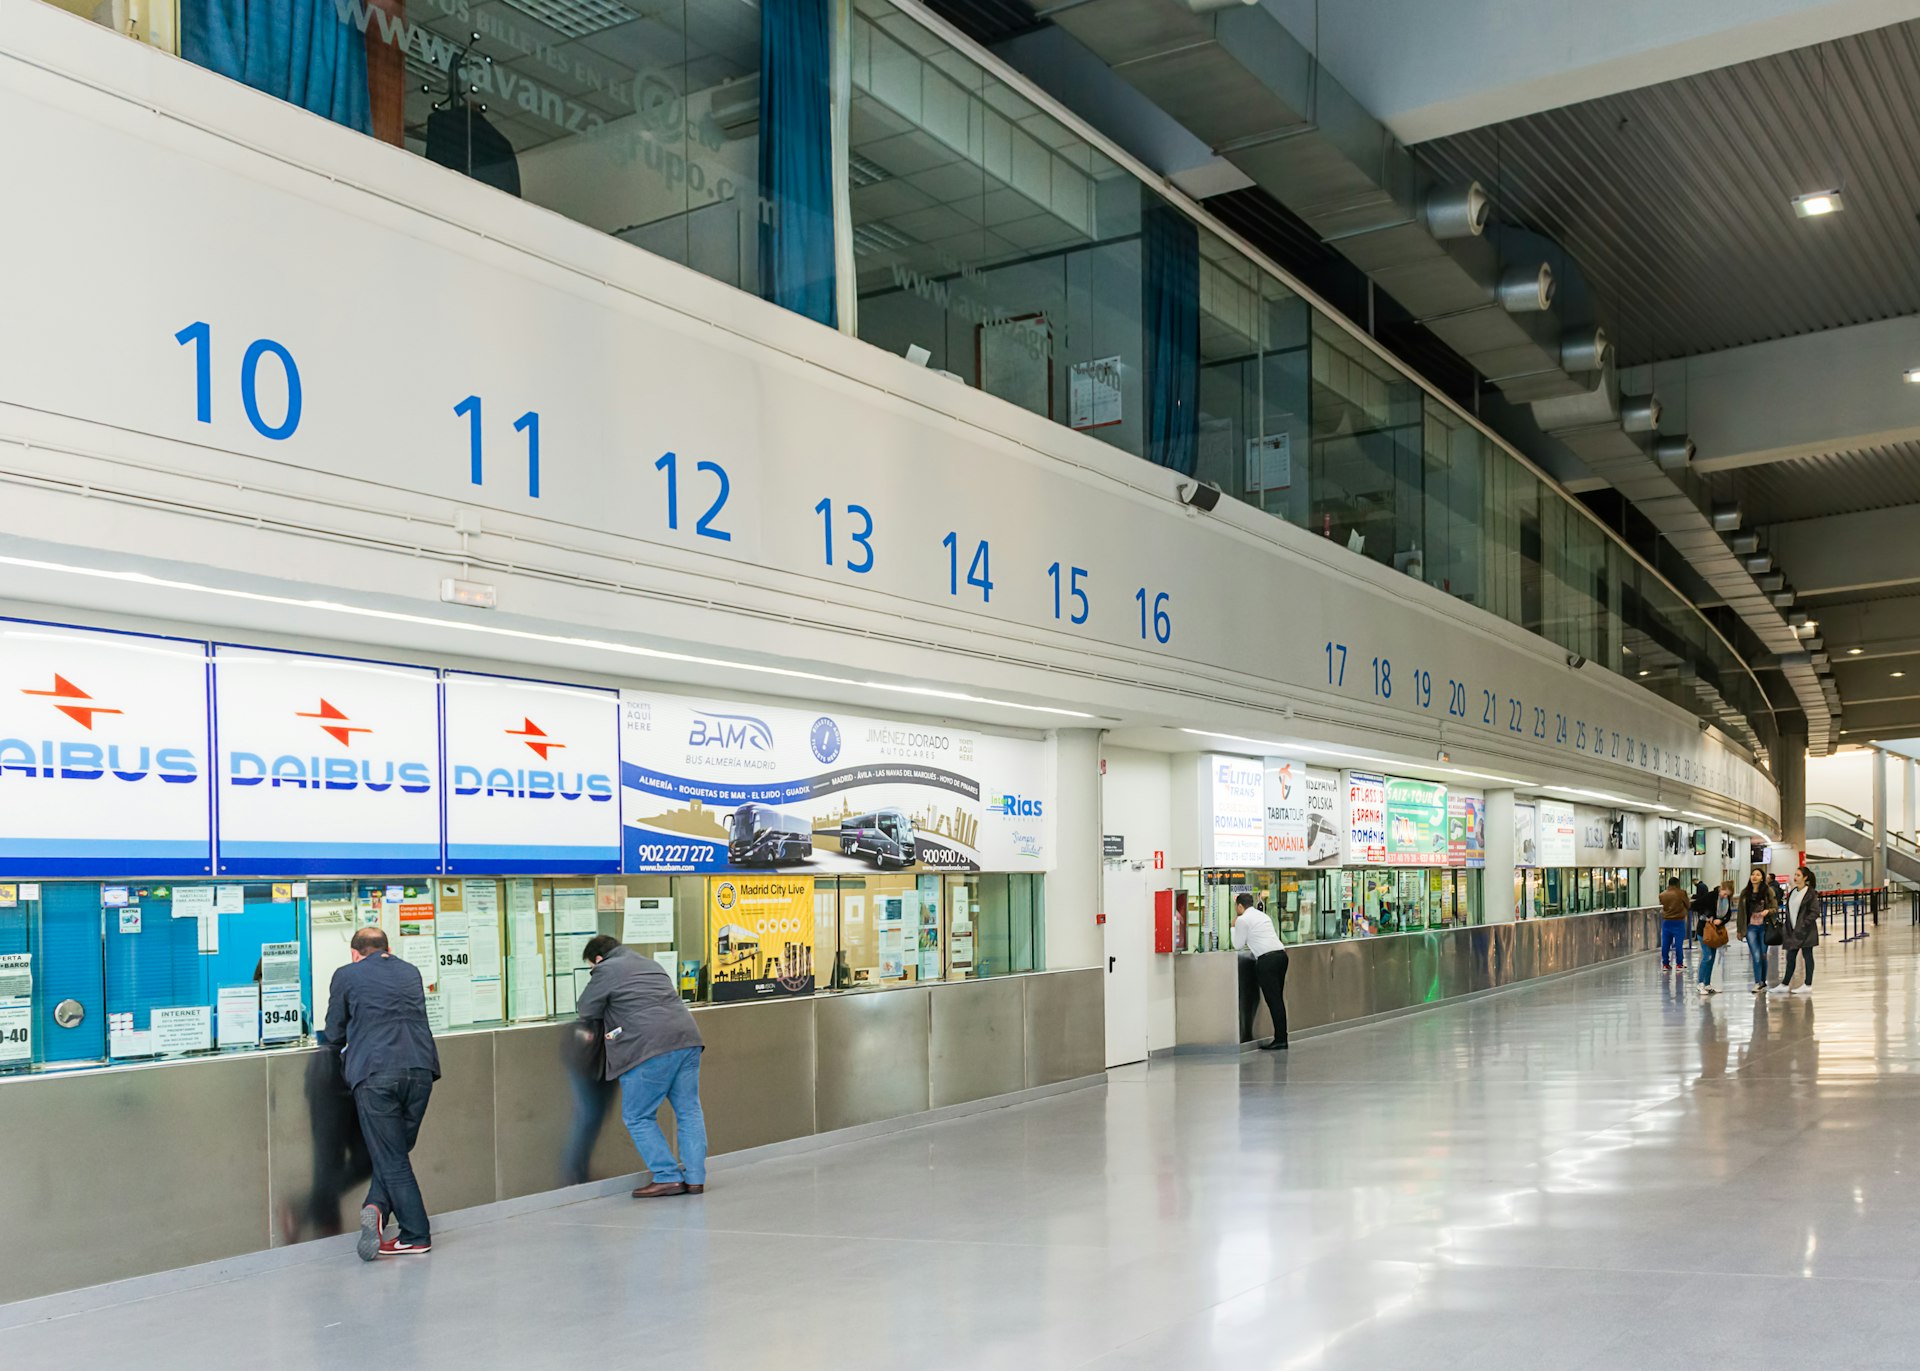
{"x": 377, "y": 1015}
{"x": 1713, "y": 933}
{"x": 1802, "y": 931}
{"x": 1673, "y": 926}
{"x": 1758, "y": 901}
{"x": 653, "y": 1049}
{"x": 1253, "y": 930}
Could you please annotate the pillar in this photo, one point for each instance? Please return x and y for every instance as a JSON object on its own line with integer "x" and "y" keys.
{"x": 1496, "y": 882}
{"x": 1879, "y": 818}
{"x": 1074, "y": 939}
{"x": 1790, "y": 775}
{"x": 1714, "y": 869}
{"x": 1651, "y": 859}
{"x": 1913, "y": 771}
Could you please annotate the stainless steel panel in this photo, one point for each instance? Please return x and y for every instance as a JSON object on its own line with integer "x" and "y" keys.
{"x": 1066, "y": 1015}
{"x": 533, "y": 1115}
{"x": 308, "y": 1119}
{"x": 1206, "y": 999}
{"x": 1390, "y": 968}
{"x": 1309, "y": 986}
{"x": 1426, "y": 982}
{"x": 977, "y": 1045}
{"x": 1500, "y": 955}
{"x": 757, "y": 1074}
{"x": 1352, "y": 981}
{"x": 454, "y": 1158}
{"x": 105, "y": 1175}
{"x": 871, "y": 1057}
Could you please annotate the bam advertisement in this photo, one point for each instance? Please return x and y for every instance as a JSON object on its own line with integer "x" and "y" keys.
{"x": 713, "y": 786}
{"x": 760, "y": 937}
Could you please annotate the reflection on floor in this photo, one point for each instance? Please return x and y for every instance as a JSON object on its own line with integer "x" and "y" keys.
{"x": 1604, "y": 1171}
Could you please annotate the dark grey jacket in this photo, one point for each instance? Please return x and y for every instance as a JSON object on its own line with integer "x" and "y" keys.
{"x": 377, "y": 1007}
{"x": 1805, "y": 930}
{"x": 636, "y": 999}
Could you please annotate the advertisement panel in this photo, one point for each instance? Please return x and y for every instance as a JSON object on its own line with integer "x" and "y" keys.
{"x": 1366, "y": 831}
{"x": 1235, "y": 790}
{"x": 1016, "y": 803}
{"x": 1526, "y": 835}
{"x": 1324, "y": 823}
{"x": 1555, "y": 839}
{"x": 1286, "y": 812}
{"x": 760, "y": 937}
{"x": 530, "y": 776}
{"x": 104, "y": 754}
{"x": 709, "y": 785}
{"x": 1466, "y": 828}
{"x": 1607, "y": 837}
{"x": 1416, "y": 823}
{"x": 327, "y": 766}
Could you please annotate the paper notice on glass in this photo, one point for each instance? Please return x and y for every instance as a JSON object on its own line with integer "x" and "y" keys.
{"x": 16, "y": 1007}
{"x": 574, "y": 911}
{"x": 648, "y": 919}
{"x": 486, "y": 999}
{"x": 460, "y": 1000}
{"x": 670, "y": 960}
{"x": 209, "y": 932}
{"x": 1270, "y": 462}
{"x": 280, "y": 1012}
{"x": 483, "y": 947}
{"x": 530, "y": 988}
{"x": 481, "y": 898}
{"x": 280, "y": 964}
{"x": 892, "y": 963}
{"x": 239, "y": 1016}
{"x": 186, "y": 1028}
{"x": 192, "y": 901}
{"x": 230, "y": 899}
{"x": 1093, "y": 393}
{"x": 123, "y": 1040}
{"x": 438, "y": 1016}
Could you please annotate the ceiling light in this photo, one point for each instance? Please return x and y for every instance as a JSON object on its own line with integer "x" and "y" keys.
{"x": 1896, "y": 674}
{"x": 1818, "y": 202}
{"x": 1911, "y": 376}
{"x": 1855, "y": 651}
{"x": 1645, "y": 672}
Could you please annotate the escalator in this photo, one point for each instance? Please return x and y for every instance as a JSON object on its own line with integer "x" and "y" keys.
{"x": 1851, "y": 833}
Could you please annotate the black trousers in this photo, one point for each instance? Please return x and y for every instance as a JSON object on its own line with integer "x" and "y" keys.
{"x": 1249, "y": 996}
{"x": 392, "y": 1104}
{"x": 1786, "y": 975}
{"x": 1270, "y": 970}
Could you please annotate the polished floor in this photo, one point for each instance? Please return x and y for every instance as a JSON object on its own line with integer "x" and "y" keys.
{"x": 1603, "y": 1171}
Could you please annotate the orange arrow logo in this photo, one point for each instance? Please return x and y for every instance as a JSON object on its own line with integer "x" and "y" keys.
{"x": 63, "y": 689}
{"x": 534, "y": 737}
{"x": 342, "y": 732}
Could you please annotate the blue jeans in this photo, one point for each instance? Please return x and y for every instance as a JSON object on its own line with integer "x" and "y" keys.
{"x": 1707, "y": 956}
{"x": 675, "y": 1078}
{"x": 392, "y": 1104}
{"x": 1673, "y": 934}
{"x": 1757, "y": 945}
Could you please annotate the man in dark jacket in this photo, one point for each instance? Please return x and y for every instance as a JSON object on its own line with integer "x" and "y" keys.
{"x": 378, "y": 1009}
{"x": 653, "y": 1050}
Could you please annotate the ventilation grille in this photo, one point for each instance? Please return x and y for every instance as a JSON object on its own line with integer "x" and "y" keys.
{"x": 878, "y": 237}
{"x": 576, "y": 18}
{"x": 864, "y": 171}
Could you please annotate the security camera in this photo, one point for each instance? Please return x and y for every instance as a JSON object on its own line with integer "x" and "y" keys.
{"x": 1200, "y": 495}
{"x": 1575, "y": 660}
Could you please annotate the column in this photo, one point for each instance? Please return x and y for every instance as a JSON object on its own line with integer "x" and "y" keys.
{"x": 1496, "y": 882}
{"x": 1790, "y": 774}
{"x": 1913, "y": 771}
{"x": 1073, "y": 887}
{"x": 1715, "y": 869}
{"x": 1879, "y": 818}
{"x": 1650, "y": 882}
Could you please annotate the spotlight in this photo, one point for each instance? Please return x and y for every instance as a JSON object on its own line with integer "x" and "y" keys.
{"x": 1816, "y": 203}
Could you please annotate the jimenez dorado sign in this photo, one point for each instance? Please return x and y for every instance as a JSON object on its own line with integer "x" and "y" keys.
{"x": 714, "y": 786}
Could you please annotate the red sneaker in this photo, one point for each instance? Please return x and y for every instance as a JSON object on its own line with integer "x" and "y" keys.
{"x": 393, "y": 1247}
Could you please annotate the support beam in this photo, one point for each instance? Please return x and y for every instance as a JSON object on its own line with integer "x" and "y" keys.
{"x": 1790, "y": 774}
{"x": 1913, "y": 770}
{"x": 1834, "y": 391}
{"x": 1880, "y": 629}
{"x": 1879, "y": 818}
{"x": 1850, "y": 552}
{"x": 1496, "y": 882}
{"x": 1427, "y": 70}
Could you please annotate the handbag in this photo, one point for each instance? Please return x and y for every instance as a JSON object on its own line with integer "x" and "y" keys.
{"x": 1713, "y": 935}
{"x": 1776, "y": 928}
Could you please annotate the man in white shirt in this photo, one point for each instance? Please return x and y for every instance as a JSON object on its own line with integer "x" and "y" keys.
{"x": 1253, "y": 933}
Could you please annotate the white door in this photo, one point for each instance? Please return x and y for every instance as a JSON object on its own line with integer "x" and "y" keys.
{"x": 1128, "y": 896}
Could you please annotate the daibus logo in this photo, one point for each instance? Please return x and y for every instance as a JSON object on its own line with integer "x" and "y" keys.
{"x": 730, "y": 733}
{"x": 49, "y": 759}
{"x": 1014, "y": 806}
{"x": 330, "y": 772}
{"x": 532, "y": 783}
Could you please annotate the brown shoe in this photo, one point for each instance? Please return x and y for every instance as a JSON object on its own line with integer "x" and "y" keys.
{"x": 696, "y": 1189}
{"x": 657, "y": 1190}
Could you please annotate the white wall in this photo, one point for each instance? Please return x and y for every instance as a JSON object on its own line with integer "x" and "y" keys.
{"x": 1137, "y": 804}
{"x": 1846, "y": 779}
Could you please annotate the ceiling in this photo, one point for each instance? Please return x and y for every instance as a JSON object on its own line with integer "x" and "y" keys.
{"x": 1830, "y": 484}
{"x": 1675, "y": 200}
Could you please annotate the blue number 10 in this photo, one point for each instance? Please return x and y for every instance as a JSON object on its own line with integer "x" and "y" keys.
{"x": 200, "y": 336}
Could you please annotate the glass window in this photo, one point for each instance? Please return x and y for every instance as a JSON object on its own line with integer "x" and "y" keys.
{"x": 1366, "y": 469}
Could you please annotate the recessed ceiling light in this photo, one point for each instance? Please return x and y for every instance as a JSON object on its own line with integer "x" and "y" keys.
{"x": 1896, "y": 673}
{"x": 1645, "y": 672}
{"x": 1855, "y": 651}
{"x": 1818, "y": 202}
{"x": 1911, "y": 375}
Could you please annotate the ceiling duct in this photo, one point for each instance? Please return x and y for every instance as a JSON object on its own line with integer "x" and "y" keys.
{"x": 1726, "y": 516}
{"x": 1759, "y": 563}
{"x": 1640, "y": 413}
{"x": 1745, "y": 544}
{"x": 1673, "y": 454}
{"x": 1585, "y": 350}
{"x": 1241, "y": 83}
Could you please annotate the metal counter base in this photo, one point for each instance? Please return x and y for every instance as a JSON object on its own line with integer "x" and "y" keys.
{"x": 133, "y": 1170}
{"x": 1340, "y": 984}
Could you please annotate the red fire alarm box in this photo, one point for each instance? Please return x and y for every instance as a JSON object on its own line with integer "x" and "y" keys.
{"x": 1169, "y": 921}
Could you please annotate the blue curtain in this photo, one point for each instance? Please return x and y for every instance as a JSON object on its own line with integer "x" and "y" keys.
{"x": 796, "y": 157}
{"x": 1171, "y": 246}
{"x": 302, "y": 51}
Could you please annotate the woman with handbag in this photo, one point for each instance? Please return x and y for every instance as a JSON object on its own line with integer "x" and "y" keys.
{"x": 1713, "y": 935}
{"x": 1802, "y": 932}
{"x": 1758, "y": 903}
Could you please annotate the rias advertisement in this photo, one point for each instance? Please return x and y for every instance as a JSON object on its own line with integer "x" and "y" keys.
{"x": 713, "y": 786}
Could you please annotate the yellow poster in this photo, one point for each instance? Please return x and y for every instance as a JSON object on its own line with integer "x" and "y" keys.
{"x": 760, "y": 936}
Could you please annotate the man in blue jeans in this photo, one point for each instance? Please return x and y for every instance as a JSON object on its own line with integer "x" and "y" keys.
{"x": 377, "y": 1020}
{"x": 653, "y": 1050}
{"x": 1673, "y": 925}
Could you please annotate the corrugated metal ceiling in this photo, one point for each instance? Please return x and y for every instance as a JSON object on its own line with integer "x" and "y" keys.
{"x": 1676, "y": 199}
{"x": 1816, "y": 487}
